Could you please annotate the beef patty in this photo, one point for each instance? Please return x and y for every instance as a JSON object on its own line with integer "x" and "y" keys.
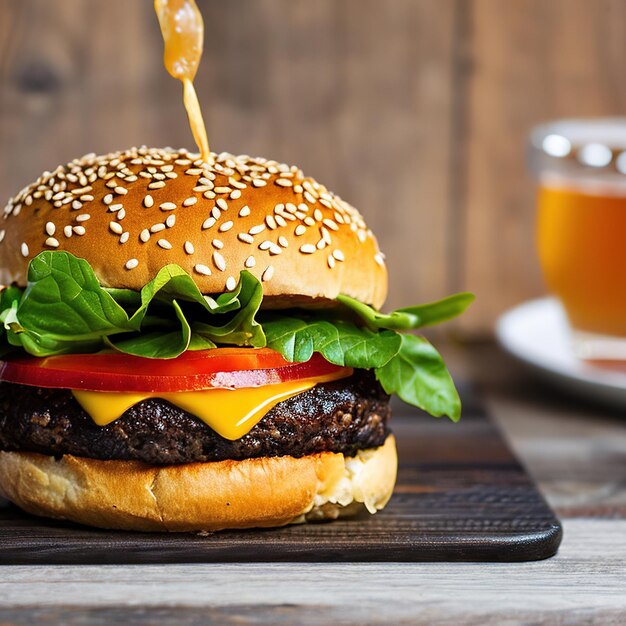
{"x": 341, "y": 416}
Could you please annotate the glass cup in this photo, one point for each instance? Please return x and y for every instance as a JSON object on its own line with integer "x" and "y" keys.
{"x": 580, "y": 168}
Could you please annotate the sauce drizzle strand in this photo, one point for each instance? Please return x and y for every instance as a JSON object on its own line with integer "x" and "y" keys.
{"x": 183, "y": 33}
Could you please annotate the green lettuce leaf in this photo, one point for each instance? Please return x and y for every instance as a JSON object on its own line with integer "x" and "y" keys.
{"x": 410, "y": 318}
{"x": 64, "y": 309}
{"x": 418, "y": 375}
{"x": 339, "y": 342}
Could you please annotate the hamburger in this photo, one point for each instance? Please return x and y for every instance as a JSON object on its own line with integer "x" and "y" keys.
{"x": 193, "y": 346}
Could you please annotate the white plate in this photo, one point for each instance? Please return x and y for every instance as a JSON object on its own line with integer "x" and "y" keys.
{"x": 537, "y": 333}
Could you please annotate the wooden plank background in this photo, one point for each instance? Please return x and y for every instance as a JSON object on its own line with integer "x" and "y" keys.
{"x": 416, "y": 111}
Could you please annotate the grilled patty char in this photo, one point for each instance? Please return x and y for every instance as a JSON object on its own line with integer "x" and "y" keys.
{"x": 342, "y": 416}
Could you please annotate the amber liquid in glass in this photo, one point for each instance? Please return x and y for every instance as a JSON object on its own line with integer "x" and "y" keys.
{"x": 582, "y": 249}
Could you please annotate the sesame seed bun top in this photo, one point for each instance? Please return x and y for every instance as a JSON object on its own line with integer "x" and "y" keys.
{"x": 130, "y": 213}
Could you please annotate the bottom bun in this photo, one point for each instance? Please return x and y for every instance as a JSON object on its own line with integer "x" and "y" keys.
{"x": 262, "y": 492}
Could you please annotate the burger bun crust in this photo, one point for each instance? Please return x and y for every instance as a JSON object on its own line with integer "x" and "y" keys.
{"x": 131, "y": 213}
{"x": 260, "y": 492}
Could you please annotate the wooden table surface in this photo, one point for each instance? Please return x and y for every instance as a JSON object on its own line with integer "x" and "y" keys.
{"x": 575, "y": 451}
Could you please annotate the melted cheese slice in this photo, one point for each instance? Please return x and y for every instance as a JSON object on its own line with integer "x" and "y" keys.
{"x": 231, "y": 413}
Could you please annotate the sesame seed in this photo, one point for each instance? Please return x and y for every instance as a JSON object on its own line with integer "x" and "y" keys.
{"x": 280, "y": 220}
{"x": 300, "y": 230}
{"x": 82, "y": 190}
{"x": 167, "y": 168}
{"x": 250, "y": 262}
{"x": 79, "y": 230}
{"x": 379, "y": 258}
{"x": 111, "y": 183}
{"x": 124, "y": 237}
{"x": 235, "y": 194}
{"x": 265, "y": 245}
{"x": 326, "y": 203}
{"x": 318, "y": 215}
{"x": 309, "y": 221}
{"x": 244, "y": 211}
{"x": 167, "y": 206}
{"x": 222, "y": 204}
{"x": 170, "y": 221}
{"x": 144, "y": 235}
{"x": 231, "y": 283}
{"x": 270, "y": 221}
{"x": 298, "y": 189}
{"x": 331, "y": 261}
{"x": 209, "y": 195}
{"x": 226, "y": 226}
{"x": 362, "y": 235}
{"x": 131, "y": 264}
{"x": 116, "y": 228}
{"x": 259, "y": 182}
{"x": 283, "y": 241}
{"x": 307, "y": 248}
{"x": 274, "y": 249}
{"x": 268, "y": 273}
{"x": 115, "y": 207}
{"x": 190, "y": 201}
{"x": 52, "y": 242}
{"x": 193, "y": 171}
{"x": 338, "y": 254}
{"x": 189, "y": 249}
{"x": 283, "y": 182}
{"x": 83, "y": 217}
{"x": 159, "y": 184}
{"x": 50, "y": 228}
{"x": 215, "y": 212}
{"x": 165, "y": 244}
{"x": 148, "y": 201}
{"x": 218, "y": 259}
{"x": 245, "y": 238}
{"x": 67, "y": 231}
{"x": 208, "y": 223}
{"x": 309, "y": 198}
{"x": 87, "y": 198}
{"x": 77, "y": 204}
{"x": 24, "y": 249}
{"x": 236, "y": 183}
{"x": 217, "y": 243}
{"x": 157, "y": 228}
{"x": 255, "y": 230}
{"x": 321, "y": 244}
{"x": 203, "y": 188}
{"x": 222, "y": 190}
{"x": 330, "y": 224}
{"x": 202, "y": 269}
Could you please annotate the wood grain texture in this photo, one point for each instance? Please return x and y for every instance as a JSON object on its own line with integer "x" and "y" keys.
{"x": 415, "y": 111}
{"x": 460, "y": 496}
{"x": 576, "y": 587}
{"x": 357, "y": 92}
{"x": 582, "y": 585}
{"x": 529, "y": 61}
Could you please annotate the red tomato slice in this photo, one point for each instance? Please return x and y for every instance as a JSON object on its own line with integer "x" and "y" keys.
{"x": 191, "y": 371}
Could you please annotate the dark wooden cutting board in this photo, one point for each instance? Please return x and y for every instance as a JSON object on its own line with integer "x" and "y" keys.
{"x": 461, "y": 496}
